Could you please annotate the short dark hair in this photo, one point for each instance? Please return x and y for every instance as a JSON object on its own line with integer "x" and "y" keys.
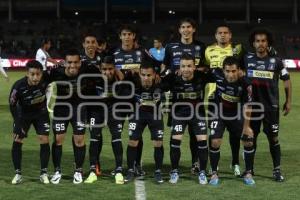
{"x": 223, "y": 25}
{"x": 187, "y": 56}
{"x": 108, "y": 60}
{"x": 34, "y": 64}
{"x": 89, "y": 34}
{"x": 45, "y": 40}
{"x": 127, "y": 27}
{"x": 189, "y": 20}
{"x": 147, "y": 65}
{"x": 71, "y": 52}
{"x": 261, "y": 31}
{"x": 231, "y": 60}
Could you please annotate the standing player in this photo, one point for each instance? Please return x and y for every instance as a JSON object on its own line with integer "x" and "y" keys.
{"x": 42, "y": 54}
{"x": 129, "y": 58}
{"x": 173, "y": 53}
{"x": 214, "y": 56}
{"x": 66, "y": 110}
{"x": 232, "y": 94}
{"x": 188, "y": 93}
{"x": 104, "y": 90}
{"x": 91, "y": 60}
{"x": 3, "y": 72}
{"x": 264, "y": 71}
{"x": 146, "y": 113}
{"x": 27, "y": 102}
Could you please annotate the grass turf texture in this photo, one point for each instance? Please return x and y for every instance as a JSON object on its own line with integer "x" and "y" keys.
{"x": 187, "y": 187}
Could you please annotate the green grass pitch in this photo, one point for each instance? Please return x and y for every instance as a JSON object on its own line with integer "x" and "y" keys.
{"x": 187, "y": 188}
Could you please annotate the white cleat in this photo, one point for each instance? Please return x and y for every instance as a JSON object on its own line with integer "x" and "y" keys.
{"x": 44, "y": 179}
{"x": 236, "y": 170}
{"x": 77, "y": 178}
{"x": 56, "y": 178}
{"x": 17, "y": 179}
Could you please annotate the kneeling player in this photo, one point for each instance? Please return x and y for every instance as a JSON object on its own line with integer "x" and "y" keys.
{"x": 232, "y": 92}
{"x": 28, "y": 106}
{"x": 147, "y": 95}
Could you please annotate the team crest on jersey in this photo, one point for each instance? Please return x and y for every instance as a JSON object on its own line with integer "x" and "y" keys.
{"x": 272, "y": 60}
{"x": 197, "y": 48}
{"x": 138, "y": 53}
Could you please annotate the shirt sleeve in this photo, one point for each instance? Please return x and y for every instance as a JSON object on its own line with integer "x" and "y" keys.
{"x": 283, "y": 72}
{"x": 167, "y": 58}
{"x": 13, "y": 101}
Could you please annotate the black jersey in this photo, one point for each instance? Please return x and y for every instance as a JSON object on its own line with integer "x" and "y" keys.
{"x": 264, "y": 74}
{"x": 26, "y": 100}
{"x": 132, "y": 59}
{"x": 66, "y": 86}
{"x": 191, "y": 91}
{"x": 146, "y": 99}
{"x": 174, "y": 51}
{"x": 92, "y": 62}
{"x": 231, "y": 96}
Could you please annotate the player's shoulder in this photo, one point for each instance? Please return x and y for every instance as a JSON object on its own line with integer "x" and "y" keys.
{"x": 211, "y": 47}
{"x": 173, "y": 45}
{"x": 199, "y": 43}
{"x": 21, "y": 82}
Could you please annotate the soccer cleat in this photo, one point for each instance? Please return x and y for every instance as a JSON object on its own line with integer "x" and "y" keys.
{"x": 56, "y": 178}
{"x": 17, "y": 179}
{"x": 236, "y": 170}
{"x": 119, "y": 178}
{"x": 248, "y": 179}
{"x": 195, "y": 168}
{"x": 77, "y": 178}
{"x": 44, "y": 178}
{"x": 138, "y": 171}
{"x": 174, "y": 177}
{"x": 202, "y": 178}
{"x": 98, "y": 169}
{"x": 245, "y": 173}
{"x": 91, "y": 178}
{"x": 214, "y": 180}
{"x": 130, "y": 176}
{"x": 158, "y": 177}
{"x": 277, "y": 175}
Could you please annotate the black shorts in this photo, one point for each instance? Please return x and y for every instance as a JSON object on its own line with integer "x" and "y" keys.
{"x": 137, "y": 126}
{"x": 270, "y": 123}
{"x": 196, "y": 125}
{"x": 41, "y": 123}
{"x": 217, "y": 128}
{"x": 62, "y": 116}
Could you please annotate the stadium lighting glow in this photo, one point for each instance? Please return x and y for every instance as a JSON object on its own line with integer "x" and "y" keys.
{"x": 76, "y": 13}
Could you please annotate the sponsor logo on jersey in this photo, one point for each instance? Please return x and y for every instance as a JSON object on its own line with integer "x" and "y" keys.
{"x": 119, "y": 60}
{"x": 251, "y": 64}
{"x": 177, "y": 53}
{"x": 261, "y": 67}
{"x": 260, "y": 74}
{"x": 230, "y": 98}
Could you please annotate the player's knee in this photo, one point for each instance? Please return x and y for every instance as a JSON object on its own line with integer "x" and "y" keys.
{"x": 273, "y": 140}
{"x": 59, "y": 139}
{"x": 133, "y": 143}
{"x": 157, "y": 143}
{"x": 201, "y": 137}
{"x": 44, "y": 139}
{"x": 247, "y": 140}
{"x": 79, "y": 140}
{"x": 177, "y": 137}
{"x": 215, "y": 143}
